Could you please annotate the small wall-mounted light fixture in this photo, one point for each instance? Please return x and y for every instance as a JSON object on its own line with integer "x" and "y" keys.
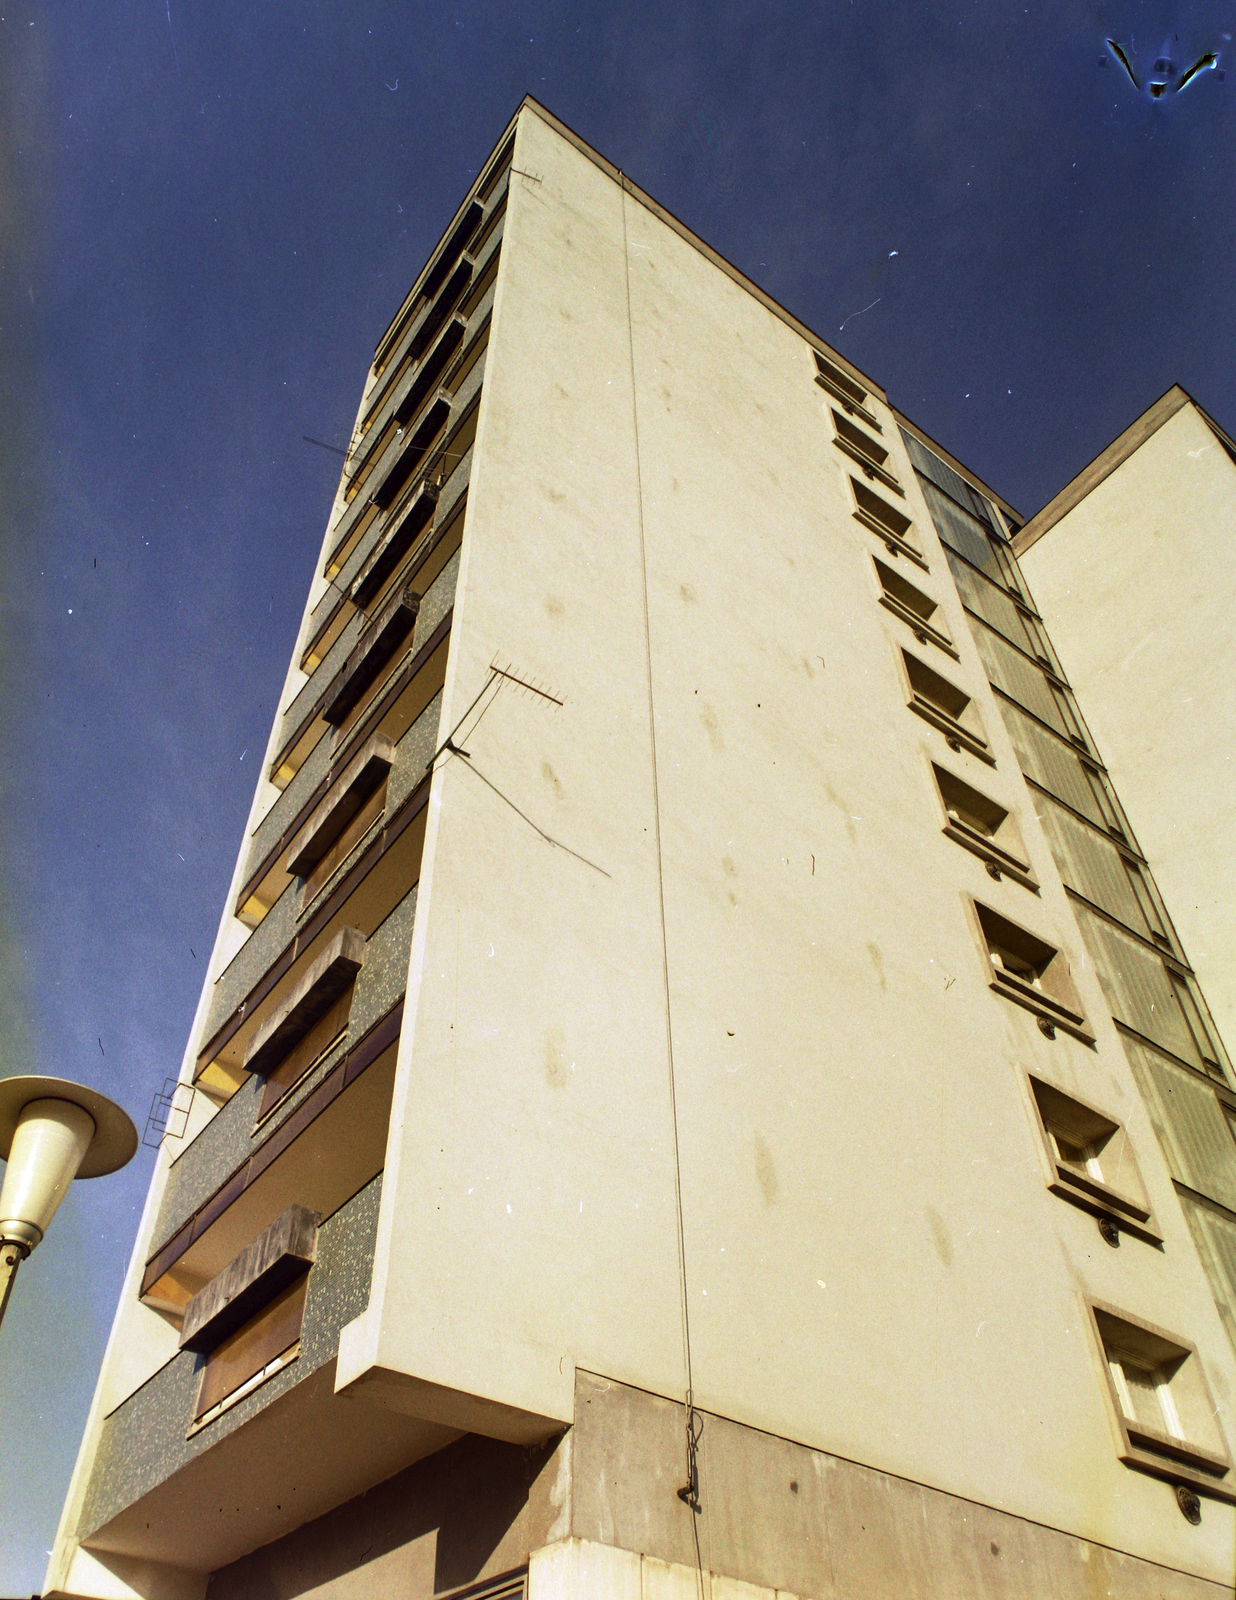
{"x": 51, "y": 1131}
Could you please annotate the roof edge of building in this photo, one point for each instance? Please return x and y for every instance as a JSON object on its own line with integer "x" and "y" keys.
{"x": 1104, "y": 464}
{"x": 706, "y": 250}
{"x": 959, "y": 467}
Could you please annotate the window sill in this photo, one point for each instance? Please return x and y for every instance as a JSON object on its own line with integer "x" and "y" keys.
{"x": 1025, "y": 994}
{"x": 1101, "y": 1201}
{"x": 870, "y": 468}
{"x": 956, "y": 736}
{"x": 923, "y": 631}
{"x": 983, "y": 847}
{"x": 1178, "y": 1462}
{"x": 895, "y": 545}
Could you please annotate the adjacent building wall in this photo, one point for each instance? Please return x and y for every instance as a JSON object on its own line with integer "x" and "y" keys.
{"x": 1138, "y": 588}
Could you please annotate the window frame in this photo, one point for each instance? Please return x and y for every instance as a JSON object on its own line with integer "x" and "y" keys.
{"x": 923, "y": 629}
{"x": 957, "y": 735}
{"x": 1057, "y": 1007}
{"x": 1159, "y": 1453}
{"x": 1128, "y": 1207}
{"x": 985, "y": 846}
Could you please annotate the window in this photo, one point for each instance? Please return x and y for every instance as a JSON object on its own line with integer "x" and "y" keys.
{"x": 1090, "y": 1160}
{"x": 1162, "y": 1403}
{"x": 1203, "y": 1038}
{"x": 1036, "y": 637}
{"x": 909, "y": 603}
{"x": 842, "y": 387}
{"x": 247, "y": 1319}
{"x": 373, "y": 810}
{"x": 1105, "y": 801}
{"x": 861, "y": 447}
{"x": 1148, "y": 901}
{"x": 1068, "y": 716}
{"x": 979, "y": 824}
{"x": 886, "y": 522}
{"x": 281, "y": 1254}
{"x": 969, "y": 536}
{"x": 255, "y": 1352}
{"x": 1030, "y": 972}
{"x": 946, "y": 707}
{"x": 433, "y": 280}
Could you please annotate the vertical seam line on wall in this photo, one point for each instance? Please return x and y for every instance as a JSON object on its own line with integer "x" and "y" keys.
{"x": 656, "y": 812}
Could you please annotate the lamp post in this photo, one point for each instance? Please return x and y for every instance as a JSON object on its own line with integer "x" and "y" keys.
{"x": 51, "y": 1131}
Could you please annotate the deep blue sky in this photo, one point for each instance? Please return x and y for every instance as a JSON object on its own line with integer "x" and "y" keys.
{"x": 211, "y": 212}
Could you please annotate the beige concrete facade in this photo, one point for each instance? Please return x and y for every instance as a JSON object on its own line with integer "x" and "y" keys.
{"x": 706, "y": 1043}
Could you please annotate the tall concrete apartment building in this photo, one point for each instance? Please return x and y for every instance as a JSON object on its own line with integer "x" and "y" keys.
{"x": 697, "y": 1092}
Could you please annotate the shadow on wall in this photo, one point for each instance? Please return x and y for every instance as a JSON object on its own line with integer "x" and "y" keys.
{"x": 473, "y": 1496}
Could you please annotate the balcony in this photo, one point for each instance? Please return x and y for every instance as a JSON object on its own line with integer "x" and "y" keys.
{"x": 364, "y": 886}
{"x": 398, "y": 443}
{"x": 315, "y": 760}
{"x": 199, "y": 1221}
{"x": 197, "y": 1499}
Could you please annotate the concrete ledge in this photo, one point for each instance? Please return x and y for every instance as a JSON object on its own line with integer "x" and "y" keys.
{"x": 279, "y": 1255}
{"x": 94, "y": 1576}
{"x": 360, "y": 1376}
{"x": 312, "y": 997}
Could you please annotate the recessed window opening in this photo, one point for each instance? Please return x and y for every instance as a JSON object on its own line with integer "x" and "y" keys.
{"x": 946, "y": 696}
{"x": 1091, "y": 1155}
{"x": 331, "y": 975}
{"x": 861, "y": 447}
{"x": 842, "y": 387}
{"x": 886, "y": 522}
{"x": 304, "y": 1056}
{"x": 1029, "y": 970}
{"x": 1163, "y": 1403}
{"x": 372, "y": 810}
{"x": 946, "y": 707}
{"x": 861, "y": 441}
{"x": 385, "y": 635}
{"x": 247, "y": 1357}
{"x": 982, "y": 826}
{"x": 908, "y": 602}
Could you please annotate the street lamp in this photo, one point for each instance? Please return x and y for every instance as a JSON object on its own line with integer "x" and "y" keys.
{"x": 51, "y": 1131}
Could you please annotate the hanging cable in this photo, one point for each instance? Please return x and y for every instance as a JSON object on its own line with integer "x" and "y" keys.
{"x": 689, "y": 1494}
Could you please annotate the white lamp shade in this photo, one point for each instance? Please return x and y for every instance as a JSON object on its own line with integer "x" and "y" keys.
{"x": 49, "y": 1144}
